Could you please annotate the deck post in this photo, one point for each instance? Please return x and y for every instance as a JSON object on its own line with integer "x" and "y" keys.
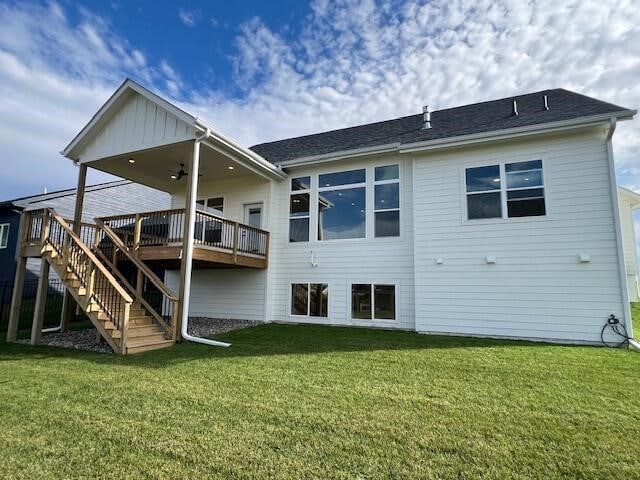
{"x": 16, "y": 299}
{"x": 41, "y": 303}
{"x": 187, "y": 239}
{"x": 18, "y": 280}
{"x": 68, "y": 302}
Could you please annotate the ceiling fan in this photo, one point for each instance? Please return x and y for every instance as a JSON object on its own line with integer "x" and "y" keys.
{"x": 180, "y": 173}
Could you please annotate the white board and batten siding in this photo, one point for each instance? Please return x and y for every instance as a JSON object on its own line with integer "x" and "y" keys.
{"x": 341, "y": 263}
{"x": 627, "y": 206}
{"x": 538, "y": 288}
{"x": 138, "y": 124}
{"x": 227, "y": 292}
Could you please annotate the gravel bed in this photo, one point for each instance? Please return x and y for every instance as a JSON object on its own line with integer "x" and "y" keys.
{"x": 78, "y": 339}
{"x": 86, "y": 339}
{"x": 208, "y": 327}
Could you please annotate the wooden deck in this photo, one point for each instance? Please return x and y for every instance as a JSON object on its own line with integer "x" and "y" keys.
{"x": 157, "y": 238}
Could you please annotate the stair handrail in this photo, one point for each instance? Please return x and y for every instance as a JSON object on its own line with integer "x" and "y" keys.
{"x": 91, "y": 256}
{"x": 147, "y": 272}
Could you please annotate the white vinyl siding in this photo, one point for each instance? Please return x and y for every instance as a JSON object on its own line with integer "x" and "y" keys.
{"x": 229, "y": 293}
{"x": 137, "y": 125}
{"x": 537, "y": 288}
{"x": 387, "y": 260}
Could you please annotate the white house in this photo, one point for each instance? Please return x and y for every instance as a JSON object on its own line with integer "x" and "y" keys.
{"x": 494, "y": 219}
{"x": 630, "y": 202}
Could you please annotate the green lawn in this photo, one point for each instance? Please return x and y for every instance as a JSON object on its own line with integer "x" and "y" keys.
{"x": 306, "y": 402}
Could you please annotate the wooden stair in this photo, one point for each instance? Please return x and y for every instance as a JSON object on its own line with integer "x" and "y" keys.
{"x": 126, "y": 317}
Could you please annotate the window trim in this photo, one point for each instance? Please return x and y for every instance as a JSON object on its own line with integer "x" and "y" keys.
{"x": 2, "y": 227}
{"x": 308, "y": 316}
{"x": 503, "y": 191}
{"x": 373, "y": 321}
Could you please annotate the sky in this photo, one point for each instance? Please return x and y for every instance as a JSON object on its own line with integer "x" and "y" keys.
{"x": 261, "y": 71}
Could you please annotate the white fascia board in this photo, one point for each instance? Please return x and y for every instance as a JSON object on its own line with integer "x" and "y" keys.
{"x": 240, "y": 154}
{"x": 127, "y": 85}
{"x": 341, "y": 155}
{"x": 510, "y": 133}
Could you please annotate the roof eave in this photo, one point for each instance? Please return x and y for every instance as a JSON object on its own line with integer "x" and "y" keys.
{"x": 460, "y": 140}
{"x": 509, "y": 133}
{"x": 242, "y": 154}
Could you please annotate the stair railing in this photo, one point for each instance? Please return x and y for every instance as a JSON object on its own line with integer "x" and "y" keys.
{"x": 101, "y": 287}
{"x": 149, "y": 290}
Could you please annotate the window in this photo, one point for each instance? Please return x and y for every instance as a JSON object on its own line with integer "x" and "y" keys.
{"x": 373, "y": 301}
{"x": 342, "y": 205}
{"x": 216, "y": 203}
{"x": 483, "y": 192}
{"x": 310, "y": 299}
{"x": 387, "y": 201}
{"x": 4, "y": 235}
{"x": 523, "y": 194}
{"x": 299, "y": 209}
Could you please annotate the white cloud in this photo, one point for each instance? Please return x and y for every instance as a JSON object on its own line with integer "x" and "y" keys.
{"x": 189, "y": 17}
{"x": 354, "y": 61}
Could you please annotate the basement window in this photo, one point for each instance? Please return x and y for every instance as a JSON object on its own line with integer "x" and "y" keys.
{"x": 4, "y": 235}
{"x": 373, "y": 301}
{"x": 310, "y": 299}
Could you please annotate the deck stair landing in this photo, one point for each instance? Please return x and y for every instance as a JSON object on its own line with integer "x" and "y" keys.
{"x": 132, "y": 316}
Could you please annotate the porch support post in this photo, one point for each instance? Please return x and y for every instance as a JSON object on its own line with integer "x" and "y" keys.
{"x": 41, "y": 303}
{"x": 68, "y": 301}
{"x": 187, "y": 239}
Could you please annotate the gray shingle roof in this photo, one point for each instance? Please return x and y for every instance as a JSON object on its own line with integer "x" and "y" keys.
{"x": 451, "y": 122}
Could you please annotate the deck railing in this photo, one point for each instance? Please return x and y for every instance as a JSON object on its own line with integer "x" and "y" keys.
{"x": 165, "y": 228}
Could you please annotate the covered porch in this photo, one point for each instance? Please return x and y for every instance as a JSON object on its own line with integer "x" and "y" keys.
{"x": 141, "y": 137}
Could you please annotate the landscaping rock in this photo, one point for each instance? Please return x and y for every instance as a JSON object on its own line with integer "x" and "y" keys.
{"x": 78, "y": 339}
{"x": 208, "y": 327}
{"x": 86, "y": 339}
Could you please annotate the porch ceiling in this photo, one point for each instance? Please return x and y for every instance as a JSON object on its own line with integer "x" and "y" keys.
{"x": 154, "y": 167}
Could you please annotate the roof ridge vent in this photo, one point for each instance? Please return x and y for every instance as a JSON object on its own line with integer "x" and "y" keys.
{"x": 545, "y": 102}
{"x": 426, "y": 117}
{"x": 514, "y": 109}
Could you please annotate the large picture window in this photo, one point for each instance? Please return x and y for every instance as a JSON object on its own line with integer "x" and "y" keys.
{"x": 373, "y": 301}
{"x": 310, "y": 299}
{"x": 342, "y": 205}
{"x": 387, "y": 201}
{"x": 4, "y": 235}
{"x": 299, "y": 209}
{"x": 505, "y": 191}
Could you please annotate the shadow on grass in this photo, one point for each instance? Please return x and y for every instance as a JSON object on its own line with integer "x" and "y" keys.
{"x": 269, "y": 340}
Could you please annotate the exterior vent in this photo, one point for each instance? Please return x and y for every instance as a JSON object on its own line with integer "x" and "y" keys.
{"x": 514, "y": 109}
{"x": 545, "y": 101}
{"x": 426, "y": 117}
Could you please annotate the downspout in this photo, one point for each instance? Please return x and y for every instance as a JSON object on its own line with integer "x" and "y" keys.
{"x": 188, "y": 248}
{"x": 622, "y": 269}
